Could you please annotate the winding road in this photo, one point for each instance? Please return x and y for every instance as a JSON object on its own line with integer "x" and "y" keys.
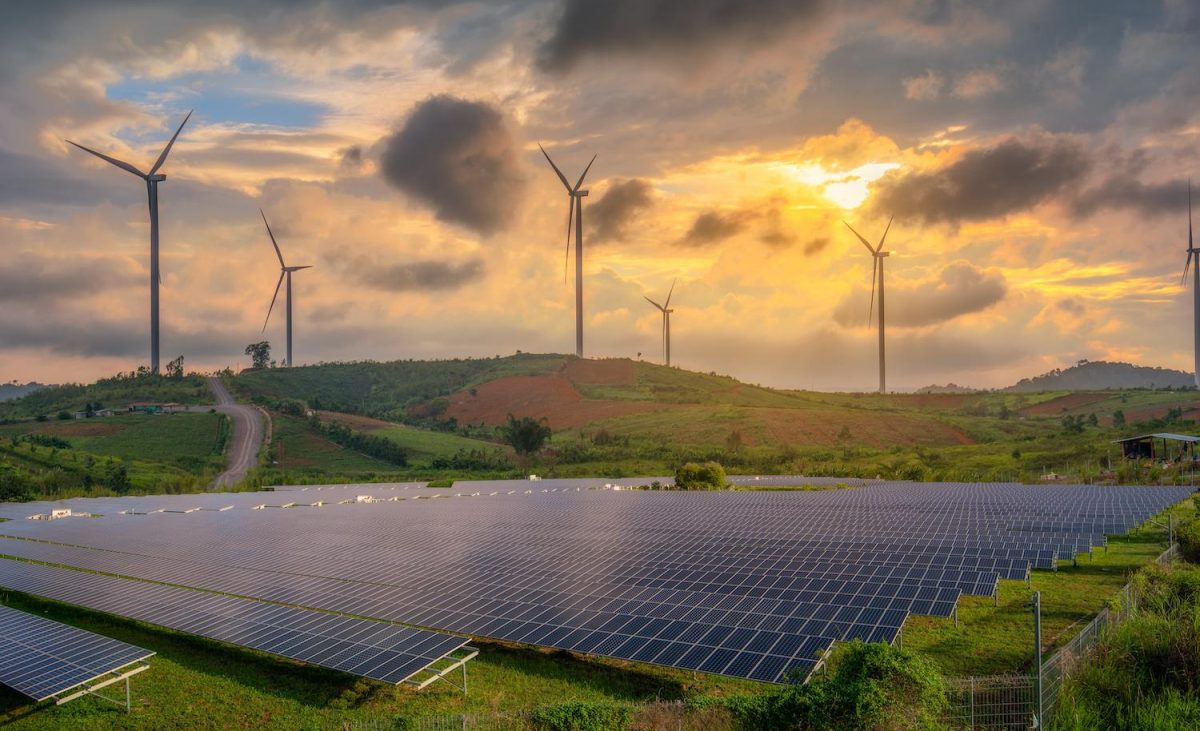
{"x": 245, "y": 438}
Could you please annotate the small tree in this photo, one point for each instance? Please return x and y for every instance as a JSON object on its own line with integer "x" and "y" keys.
{"x": 525, "y": 435}
{"x": 1093, "y": 420}
{"x": 1119, "y": 419}
{"x": 175, "y": 369}
{"x": 260, "y": 354}
{"x": 707, "y": 476}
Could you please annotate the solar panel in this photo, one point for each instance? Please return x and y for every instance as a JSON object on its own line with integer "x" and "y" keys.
{"x": 750, "y": 584}
{"x": 41, "y": 658}
{"x": 377, "y": 650}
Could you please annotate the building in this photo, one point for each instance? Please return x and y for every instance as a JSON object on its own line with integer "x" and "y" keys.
{"x": 1164, "y": 447}
{"x": 151, "y": 407}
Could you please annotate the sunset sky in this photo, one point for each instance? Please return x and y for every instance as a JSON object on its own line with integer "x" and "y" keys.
{"x": 1034, "y": 154}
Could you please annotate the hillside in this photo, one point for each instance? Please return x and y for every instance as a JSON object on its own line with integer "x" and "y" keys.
{"x": 1101, "y": 375}
{"x": 113, "y": 393}
{"x": 10, "y": 391}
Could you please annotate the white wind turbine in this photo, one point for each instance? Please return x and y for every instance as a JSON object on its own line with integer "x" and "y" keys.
{"x": 878, "y": 255}
{"x": 152, "y": 178}
{"x": 574, "y": 211}
{"x": 666, "y": 311}
{"x": 284, "y": 271}
{"x": 1193, "y": 262}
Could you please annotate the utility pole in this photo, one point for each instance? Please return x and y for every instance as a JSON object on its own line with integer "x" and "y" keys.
{"x": 1036, "y": 604}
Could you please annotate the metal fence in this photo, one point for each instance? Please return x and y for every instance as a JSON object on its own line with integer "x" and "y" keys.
{"x": 990, "y": 703}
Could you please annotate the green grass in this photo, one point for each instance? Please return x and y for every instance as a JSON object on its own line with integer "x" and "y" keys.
{"x": 307, "y": 452}
{"x": 424, "y": 445}
{"x": 198, "y": 684}
{"x": 113, "y": 393}
{"x": 999, "y": 639}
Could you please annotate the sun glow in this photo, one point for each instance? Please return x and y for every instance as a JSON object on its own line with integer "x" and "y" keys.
{"x": 845, "y": 188}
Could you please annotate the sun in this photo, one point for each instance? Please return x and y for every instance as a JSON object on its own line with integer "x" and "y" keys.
{"x": 844, "y": 188}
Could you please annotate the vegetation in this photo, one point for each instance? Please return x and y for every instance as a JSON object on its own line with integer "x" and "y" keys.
{"x": 525, "y": 435}
{"x": 707, "y": 476}
{"x": 260, "y": 354}
{"x": 380, "y": 448}
{"x": 114, "y": 393}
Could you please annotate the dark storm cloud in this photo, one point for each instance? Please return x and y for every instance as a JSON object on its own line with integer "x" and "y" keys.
{"x": 816, "y": 246}
{"x": 1132, "y": 194}
{"x": 587, "y": 27}
{"x": 959, "y": 289}
{"x": 458, "y": 157}
{"x": 623, "y": 200}
{"x": 1012, "y": 176}
{"x": 420, "y": 276}
{"x": 713, "y": 227}
{"x": 350, "y": 158}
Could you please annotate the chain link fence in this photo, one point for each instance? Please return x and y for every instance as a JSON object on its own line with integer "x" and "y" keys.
{"x": 990, "y": 703}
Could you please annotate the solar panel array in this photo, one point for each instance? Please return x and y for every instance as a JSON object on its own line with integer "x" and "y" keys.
{"x": 41, "y": 658}
{"x": 749, "y": 584}
{"x": 378, "y": 650}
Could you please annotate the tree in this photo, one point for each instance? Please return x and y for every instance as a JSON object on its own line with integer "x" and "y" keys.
{"x": 175, "y": 369}
{"x": 1119, "y": 419}
{"x": 260, "y": 354}
{"x": 707, "y": 476}
{"x": 525, "y": 435}
{"x": 1092, "y": 420}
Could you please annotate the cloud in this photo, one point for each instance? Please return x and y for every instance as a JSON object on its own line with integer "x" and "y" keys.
{"x": 350, "y": 158}
{"x": 816, "y": 246}
{"x": 458, "y": 157}
{"x": 712, "y": 227}
{"x": 1132, "y": 194}
{"x": 924, "y": 87}
{"x": 959, "y": 289}
{"x": 623, "y": 27}
{"x": 31, "y": 180}
{"x": 419, "y": 276}
{"x": 980, "y": 83}
{"x": 623, "y": 200}
{"x": 1012, "y": 176}
{"x": 31, "y": 279}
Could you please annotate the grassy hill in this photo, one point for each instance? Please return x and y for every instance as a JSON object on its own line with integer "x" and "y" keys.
{"x": 1096, "y": 375}
{"x": 113, "y": 393}
{"x": 621, "y": 417}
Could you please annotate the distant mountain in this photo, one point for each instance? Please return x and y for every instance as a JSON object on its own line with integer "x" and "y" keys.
{"x": 9, "y": 391}
{"x": 1101, "y": 375}
{"x": 948, "y": 388}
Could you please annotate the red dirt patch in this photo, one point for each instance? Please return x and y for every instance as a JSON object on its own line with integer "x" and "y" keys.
{"x": 87, "y": 428}
{"x": 354, "y": 421}
{"x": 616, "y": 372}
{"x": 1064, "y": 404}
{"x": 549, "y": 396}
{"x": 1190, "y": 411}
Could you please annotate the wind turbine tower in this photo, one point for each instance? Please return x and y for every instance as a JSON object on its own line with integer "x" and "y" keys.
{"x": 574, "y": 212}
{"x": 284, "y": 271}
{"x": 877, "y": 255}
{"x": 1193, "y": 262}
{"x": 152, "y": 178}
{"x": 666, "y": 311}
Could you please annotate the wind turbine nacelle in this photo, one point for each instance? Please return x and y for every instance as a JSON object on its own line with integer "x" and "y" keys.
{"x": 580, "y": 193}
{"x": 883, "y": 254}
{"x": 156, "y": 178}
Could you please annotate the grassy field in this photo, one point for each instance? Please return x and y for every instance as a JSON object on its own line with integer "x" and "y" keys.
{"x": 425, "y": 445}
{"x": 113, "y": 393}
{"x": 299, "y": 449}
{"x": 198, "y": 684}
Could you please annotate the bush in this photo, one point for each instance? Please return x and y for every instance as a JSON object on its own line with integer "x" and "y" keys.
{"x": 707, "y": 476}
{"x": 580, "y": 716}
{"x": 15, "y": 487}
{"x": 1188, "y": 535}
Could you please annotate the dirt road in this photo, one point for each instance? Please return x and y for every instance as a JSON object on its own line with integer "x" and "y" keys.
{"x": 245, "y": 438}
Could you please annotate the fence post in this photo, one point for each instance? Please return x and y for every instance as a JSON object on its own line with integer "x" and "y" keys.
{"x": 972, "y": 703}
{"x": 1037, "y": 653}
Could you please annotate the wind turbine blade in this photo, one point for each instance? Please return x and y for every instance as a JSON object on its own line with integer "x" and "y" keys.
{"x": 660, "y": 307}
{"x": 278, "y": 253}
{"x": 119, "y": 163}
{"x": 860, "y": 238}
{"x": 558, "y": 172}
{"x": 874, "y": 272}
{"x": 885, "y": 233}
{"x": 669, "y": 293}
{"x": 584, "y": 174}
{"x": 296, "y": 269}
{"x": 273, "y": 298}
{"x": 167, "y": 150}
{"x": 570, "y": 220}
{"x": 1186, "y": 265}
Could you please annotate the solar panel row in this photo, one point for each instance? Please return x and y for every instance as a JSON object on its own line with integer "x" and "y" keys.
{"x": 371, "y": 649}
{"x": 41, "y": 658}
{"x": 747, "y": 584}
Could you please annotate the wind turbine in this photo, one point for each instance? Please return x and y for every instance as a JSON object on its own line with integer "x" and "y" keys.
{"x": 666, "y": 311}
{"x": 284, "y": 271}
{"x": 878, "y": 255}
{"x": 152, "y": 178}
{"x": 1193, "y": 254}
{"x": 574, "y": 211}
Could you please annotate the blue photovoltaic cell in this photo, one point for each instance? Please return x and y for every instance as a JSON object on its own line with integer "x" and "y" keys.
{"x": 41, "y": 658}
{"x": 749, "y": 584}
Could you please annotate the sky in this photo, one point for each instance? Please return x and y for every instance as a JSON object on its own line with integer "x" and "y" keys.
{"x": 1033, "y": 156}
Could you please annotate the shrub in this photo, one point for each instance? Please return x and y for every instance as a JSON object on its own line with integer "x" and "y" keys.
{"x": 580, "y": 716}
{"x": 1188, "y": 535}
{"x": 15, "y": 487}
{"x": 707, "y": 476}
